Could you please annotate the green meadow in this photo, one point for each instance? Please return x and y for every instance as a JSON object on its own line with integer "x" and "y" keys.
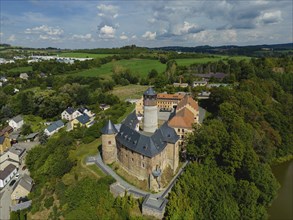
{"x": 189, "y": 61}
{"x": 140, "y": 67}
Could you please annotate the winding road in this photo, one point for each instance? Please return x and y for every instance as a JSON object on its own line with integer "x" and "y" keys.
{"x": 132, "y": 189}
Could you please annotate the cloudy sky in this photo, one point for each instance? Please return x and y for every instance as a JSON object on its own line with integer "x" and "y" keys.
{"x": 92, "y": 24}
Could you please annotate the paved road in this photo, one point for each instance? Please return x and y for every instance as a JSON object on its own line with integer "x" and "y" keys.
{"x": 5, "y": 202}
{"x": 106, "y": 169}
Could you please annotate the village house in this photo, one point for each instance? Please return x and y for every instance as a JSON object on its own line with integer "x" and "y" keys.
{"x": 70, "y": 113}
{"x": 13, "y": 155}
{"x": 104, "y": 107}
{"x": 23, "y": 76}
{"x": 7, "y": 129}
{"x": 83, "y": 121}
{"x": 182, "y": 85}
{"x": 199, "y": 83}
{"x": 54, "y": 127}
{"x": 7, "y": 174}
{"x": 4, "y": 143}
{"x": 22, "y": 189}
{"x": 16, "y": 122}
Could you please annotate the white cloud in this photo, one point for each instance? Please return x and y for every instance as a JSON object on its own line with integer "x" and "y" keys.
{"x": 186, "y": 28}
{"x": 270, "y": 17}
{"x": 107, "y": 32}
{"x": 11, "y": 38}
{"x": 149, "y": 35}
{"x": 133, "y": 37}
{"x": 85, "y": 37}
{"x": 44, "y": 29}
{"x": 49, "y": 37}
{"x": 1, "y": 33}
{"x": 108, "y": 11}
{"x": 123, "y": 37}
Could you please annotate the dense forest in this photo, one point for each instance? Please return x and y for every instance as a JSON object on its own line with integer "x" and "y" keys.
{"x": 249, "y": 128}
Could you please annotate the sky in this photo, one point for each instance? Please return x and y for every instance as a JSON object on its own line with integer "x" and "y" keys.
{"x": 107, "y": 24}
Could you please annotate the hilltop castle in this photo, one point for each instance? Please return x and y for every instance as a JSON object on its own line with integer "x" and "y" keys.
{"x": 142, "y": 147}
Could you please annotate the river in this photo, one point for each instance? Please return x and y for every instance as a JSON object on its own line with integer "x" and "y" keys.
{"x": 282, "y": 207}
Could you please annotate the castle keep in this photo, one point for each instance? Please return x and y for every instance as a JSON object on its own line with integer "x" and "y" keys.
{"x": 143, "y": 148}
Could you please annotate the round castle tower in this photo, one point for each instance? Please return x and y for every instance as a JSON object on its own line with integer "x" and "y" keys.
{"x": 109, "y": 149}
{"x": 150, "y": 120}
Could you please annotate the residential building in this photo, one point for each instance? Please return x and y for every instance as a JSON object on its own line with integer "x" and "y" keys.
{"x": 182, "y": 85}
{"x": 69, "y": 114}
{"x": 13, "y": 155}
{"x": 54, "y": 127}
{"x": 22, "y": 189}
{"x": 23, "y": 76}
{"x": 7, "y": 174}
{"x": 16, "y": 122}
{"x": 199, "y": 83}
{"x": 7, "y": 129}
{"x": 4, "y": 143}
{"x": 104, "y": 107}
{"x": 83, "y": 120}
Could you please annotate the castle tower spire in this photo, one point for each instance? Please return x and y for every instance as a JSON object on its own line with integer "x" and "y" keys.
{"x": 150, "y": 121}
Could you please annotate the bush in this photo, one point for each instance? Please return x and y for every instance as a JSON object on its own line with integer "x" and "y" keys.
{"x": 48, "y": 202}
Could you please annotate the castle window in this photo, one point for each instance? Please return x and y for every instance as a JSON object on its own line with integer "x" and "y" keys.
{"x": 142, "y": 165}
{"x": 109, "y": 142}
{"x": 178, "y": 129}
{"x": 132, "y": 159}
{"x": 183, "y": 130}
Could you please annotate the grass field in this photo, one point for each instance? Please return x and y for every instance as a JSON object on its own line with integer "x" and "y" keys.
{"x": 36, "y": 122}
{"x": 129, "y": 92}
{"x": 20, "y": 69}
{"x": 141, "y": 67}
{"x": 189, "y": 61}
{"x": 81, "y": 170}
{"x": 84, "y": 55}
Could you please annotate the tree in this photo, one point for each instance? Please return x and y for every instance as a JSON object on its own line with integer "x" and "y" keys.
{"x": 26, "y": 129}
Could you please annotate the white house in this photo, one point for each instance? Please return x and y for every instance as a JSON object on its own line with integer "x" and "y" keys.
{"x": 7, "y": 174}
{"x": 200, "y": 83}
{"x": 16, "y": 122}
{"x": 70, "y": 113}
{"x": 23, "y": 76}
{"x": 54, "y": 127}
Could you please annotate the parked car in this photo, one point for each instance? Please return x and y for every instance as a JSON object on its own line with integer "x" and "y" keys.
{"x": 24, "y": 167}
{"x": 17, "y": 175}
{"x": 12, "y": 182}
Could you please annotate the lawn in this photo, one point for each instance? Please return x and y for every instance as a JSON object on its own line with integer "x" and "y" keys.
{"x": 129, "y": 91}
{"x": 81, "y": 170}
{"x": 36, "y": 122}
{"x": 84, "y": 55}
{"x": 189, "y": 61}
{"x": 141, "y": 67}
{"x": 20, "y": 69}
